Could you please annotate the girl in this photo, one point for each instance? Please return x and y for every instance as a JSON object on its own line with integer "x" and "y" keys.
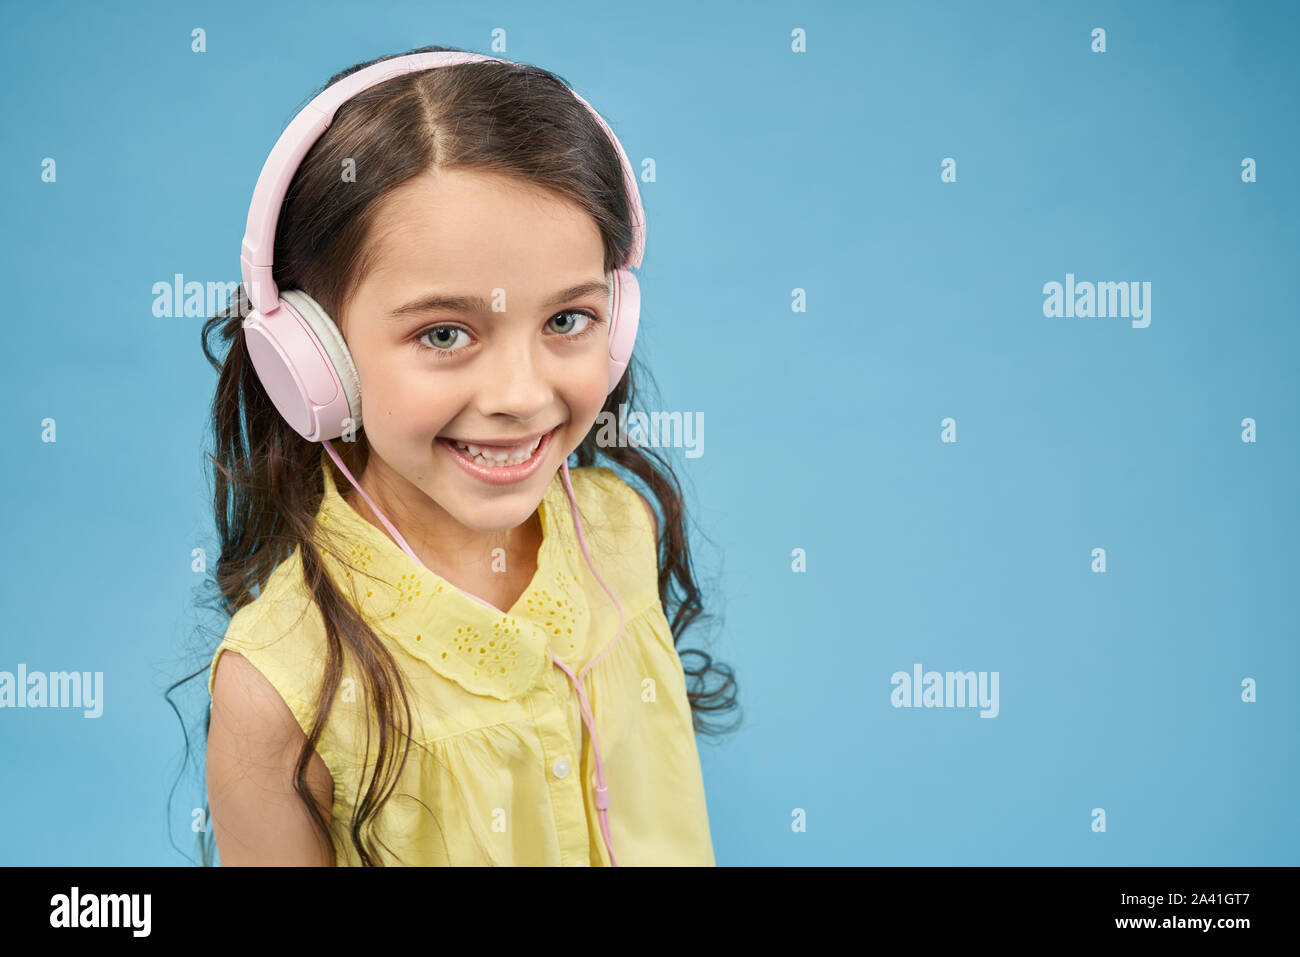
{"x": 446, "y": 647}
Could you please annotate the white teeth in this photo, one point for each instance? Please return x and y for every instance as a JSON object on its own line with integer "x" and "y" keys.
{"x": 498, "y": 457}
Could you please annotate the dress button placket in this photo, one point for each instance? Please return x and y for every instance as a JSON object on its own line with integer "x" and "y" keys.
{"x": 567, "y": 801}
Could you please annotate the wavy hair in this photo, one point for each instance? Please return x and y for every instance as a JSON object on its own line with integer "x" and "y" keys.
{"x": 504, "y": 117}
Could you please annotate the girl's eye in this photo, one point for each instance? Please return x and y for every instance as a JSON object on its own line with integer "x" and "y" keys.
{"x": 441, "y": 340}
{"x": 586, "y": 326}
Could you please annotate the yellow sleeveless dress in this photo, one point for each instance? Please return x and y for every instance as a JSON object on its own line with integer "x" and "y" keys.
{"x": 500, "y": 769}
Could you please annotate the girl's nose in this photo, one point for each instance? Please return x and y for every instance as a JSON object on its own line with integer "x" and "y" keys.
{"x": 518, "y": 383}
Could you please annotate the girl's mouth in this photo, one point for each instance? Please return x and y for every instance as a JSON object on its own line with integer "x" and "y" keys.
{"x": 499, "y": 466}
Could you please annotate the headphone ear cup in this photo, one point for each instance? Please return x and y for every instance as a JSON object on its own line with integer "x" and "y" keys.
{"x": 626, "y": 316}
{"x": 304, "y": 366}
{"x": 329, "y": 336}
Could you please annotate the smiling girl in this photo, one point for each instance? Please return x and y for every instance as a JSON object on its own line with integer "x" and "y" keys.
{"x": 446, "y": 646}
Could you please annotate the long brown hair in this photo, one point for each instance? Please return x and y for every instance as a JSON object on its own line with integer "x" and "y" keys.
{"x": 509, "y": 118}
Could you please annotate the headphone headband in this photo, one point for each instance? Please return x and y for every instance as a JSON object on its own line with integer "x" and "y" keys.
{"x": 258, "y": 249}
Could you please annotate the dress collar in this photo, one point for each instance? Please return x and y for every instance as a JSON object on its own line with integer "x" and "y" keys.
{"x": 485, "y": 650}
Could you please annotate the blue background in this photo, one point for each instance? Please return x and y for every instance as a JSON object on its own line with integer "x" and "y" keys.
{"x": 775, "y": 171}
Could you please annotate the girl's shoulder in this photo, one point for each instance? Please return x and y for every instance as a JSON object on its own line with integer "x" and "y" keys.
{"x": 278, "y": 631}
{"x": 282, "y": 600}
{"x": 604, "y": 492}
{"x": 617, "y": 526}
{"x": 613, "y": 497}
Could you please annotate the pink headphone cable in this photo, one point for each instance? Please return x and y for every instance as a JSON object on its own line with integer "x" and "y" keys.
{"x": 601, "y": 791}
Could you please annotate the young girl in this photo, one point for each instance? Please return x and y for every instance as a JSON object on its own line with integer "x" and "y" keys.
{"x": 446, "y": 647}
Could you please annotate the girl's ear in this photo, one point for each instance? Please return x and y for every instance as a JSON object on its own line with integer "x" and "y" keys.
{"x": 305, "y": 366}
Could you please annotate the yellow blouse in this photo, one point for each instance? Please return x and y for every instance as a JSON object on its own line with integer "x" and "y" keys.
{"x": 501, "y": 769}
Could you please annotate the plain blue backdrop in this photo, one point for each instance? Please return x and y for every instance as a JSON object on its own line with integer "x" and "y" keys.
{"x": 776, "y": 171}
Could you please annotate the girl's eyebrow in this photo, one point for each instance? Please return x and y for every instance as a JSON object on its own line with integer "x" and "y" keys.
{"x": 453, "y": 303}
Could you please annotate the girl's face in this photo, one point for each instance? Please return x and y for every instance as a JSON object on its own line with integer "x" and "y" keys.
{"x": 525, "y": 361}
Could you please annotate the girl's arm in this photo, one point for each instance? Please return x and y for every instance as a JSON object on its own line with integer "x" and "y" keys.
{"x": 253, "y": 744}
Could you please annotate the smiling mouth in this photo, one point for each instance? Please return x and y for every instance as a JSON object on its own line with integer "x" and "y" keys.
{"x": 499, "y": 456}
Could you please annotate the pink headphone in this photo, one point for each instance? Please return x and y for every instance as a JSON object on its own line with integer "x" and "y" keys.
{"x": 295, "y": 346}
{"x": 304, "y": 364}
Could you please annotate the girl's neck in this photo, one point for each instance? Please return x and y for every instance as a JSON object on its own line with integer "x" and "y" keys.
{"x": 466, "y": 557}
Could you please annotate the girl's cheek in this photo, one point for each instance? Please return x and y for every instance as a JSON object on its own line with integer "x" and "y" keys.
{"x": 597, "y": 382}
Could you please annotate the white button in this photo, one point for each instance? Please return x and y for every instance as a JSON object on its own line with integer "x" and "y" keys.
{"x": 561, "y": 768}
